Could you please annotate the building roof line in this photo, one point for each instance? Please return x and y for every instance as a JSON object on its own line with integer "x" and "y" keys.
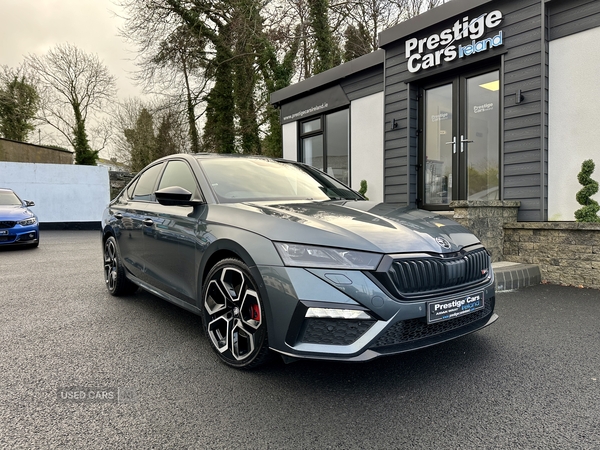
{"x": 328, "y": 77}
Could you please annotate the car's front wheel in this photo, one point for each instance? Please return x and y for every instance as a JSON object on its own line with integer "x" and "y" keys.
{"x": 114, "y": 272}
{"x": 235, "y": 315}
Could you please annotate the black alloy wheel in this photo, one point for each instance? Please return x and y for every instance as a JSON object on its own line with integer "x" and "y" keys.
{"x": 235, "y": 316}
{"x": 114, "y": 272}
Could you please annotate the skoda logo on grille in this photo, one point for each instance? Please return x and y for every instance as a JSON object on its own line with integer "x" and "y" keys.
{"x": 443, "y": 242}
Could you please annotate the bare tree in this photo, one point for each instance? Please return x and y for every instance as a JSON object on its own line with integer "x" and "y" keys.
{"x": 370, "y": 17}
{"x": 73, "y": 85}
{"x": 415, "y": 7}
{"x": 124, "y": 117}
{"x": 220, "y": 59}
{"x": 171, "y": 58}
{"x": 230, "y": 63}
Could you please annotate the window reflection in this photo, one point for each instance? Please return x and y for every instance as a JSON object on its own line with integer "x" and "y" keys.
{"x": 327, "y": 147}
{"x": 483, "y": 116}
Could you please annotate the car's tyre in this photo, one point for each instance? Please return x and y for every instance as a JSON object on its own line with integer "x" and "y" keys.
{"x": 114, "y": 272}
{"x": 235, "y": 316}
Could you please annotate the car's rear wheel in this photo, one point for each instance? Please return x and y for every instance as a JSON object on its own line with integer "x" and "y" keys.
{"x": 114, "y": 272}
{"x": 235, "y": 316}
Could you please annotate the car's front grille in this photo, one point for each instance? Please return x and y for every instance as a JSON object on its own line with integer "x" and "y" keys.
{"x": 412, "y": 330}
{"x": 7, "y": 224}
{"x": 334, "y": 331}
{"x": 410, "y": 276}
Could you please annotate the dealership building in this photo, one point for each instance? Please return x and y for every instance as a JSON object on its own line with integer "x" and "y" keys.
{"x": 474, "y": 102}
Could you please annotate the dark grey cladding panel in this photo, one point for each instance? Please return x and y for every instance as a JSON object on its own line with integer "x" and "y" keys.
{"x": 328, "y": 78}
{"x": 365, "y": 83}
{"x": 521, "y": 51}
{"x": 574, "y": 16}
{"x": 317, "y": 103}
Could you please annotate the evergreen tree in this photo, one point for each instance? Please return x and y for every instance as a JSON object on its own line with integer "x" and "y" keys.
{"x": 357, "y": 42}
{"x": 142, "y": 141}
{"x": 246, "y": 23}
{"x": 166, "y": 143}
{"x": 83, "y": 153}
{"x": 589, "y": 212}
{"x": 327, "y": 51}
{"x": 219, "y": 131}
{"x": 19, "y": 102}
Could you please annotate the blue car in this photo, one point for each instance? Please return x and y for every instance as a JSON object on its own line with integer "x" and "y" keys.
{"x": 18, "y": 224}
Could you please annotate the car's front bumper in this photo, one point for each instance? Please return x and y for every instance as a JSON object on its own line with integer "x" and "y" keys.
{"x": 20, "y": 235}
{"x": 395, "y": 326}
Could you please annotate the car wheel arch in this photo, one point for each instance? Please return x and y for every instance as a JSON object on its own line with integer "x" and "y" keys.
{"x": 224, "y": 249}
{"x": 219, "y": 250}
{"x": 107, "y": 232}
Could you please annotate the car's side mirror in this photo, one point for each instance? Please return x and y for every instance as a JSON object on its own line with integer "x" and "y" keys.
{"x": 175, "y": 196}
{"x": 29, "y": 203}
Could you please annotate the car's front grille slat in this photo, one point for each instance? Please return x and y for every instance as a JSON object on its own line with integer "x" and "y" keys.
{"x": 408, "y": 276}
{"x": 4, "y": 224}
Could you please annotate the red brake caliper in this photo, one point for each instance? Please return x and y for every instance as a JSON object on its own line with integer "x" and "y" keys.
{"x": 255, "y": 312}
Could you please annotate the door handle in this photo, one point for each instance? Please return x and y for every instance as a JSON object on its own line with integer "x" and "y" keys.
{"x": 463, "y": 141}
{"x": 453, "y": 142}
{"x": 148, "y": 222}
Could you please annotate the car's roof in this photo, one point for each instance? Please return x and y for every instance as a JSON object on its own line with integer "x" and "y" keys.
{"x": 207, "y": 155}
{"x": 7, "y": 190}
{"x": 227, "y": 155}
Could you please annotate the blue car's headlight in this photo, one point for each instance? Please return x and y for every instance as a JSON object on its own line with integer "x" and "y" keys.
{"x": 300, "y": 255}
{"x": 26, "y": 222}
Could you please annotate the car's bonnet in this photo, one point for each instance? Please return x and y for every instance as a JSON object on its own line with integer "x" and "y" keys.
{"x": 14, "y": 212}
{"x": 349, "y": 224}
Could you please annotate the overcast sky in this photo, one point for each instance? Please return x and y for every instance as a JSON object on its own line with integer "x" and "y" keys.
{"x": 35, "y": 26}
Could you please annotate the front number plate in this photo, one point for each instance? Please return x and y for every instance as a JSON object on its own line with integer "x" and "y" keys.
{"x": 451, "y": 309}
{"x": 3, "y": 231}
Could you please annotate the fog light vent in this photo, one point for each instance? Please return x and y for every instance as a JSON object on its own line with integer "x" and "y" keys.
{"x": 334, "y": 331}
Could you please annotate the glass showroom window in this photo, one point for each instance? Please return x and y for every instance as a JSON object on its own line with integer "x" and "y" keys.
{"x": 325, "y": 144}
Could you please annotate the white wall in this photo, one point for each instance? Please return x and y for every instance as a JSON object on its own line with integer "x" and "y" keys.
{"x": 574, "y": 113}
{"x": 366, "y": 144}
{"x": 366, "y": 137}
{"x": 61, "y": 192}
{"x": 290, "y": 141}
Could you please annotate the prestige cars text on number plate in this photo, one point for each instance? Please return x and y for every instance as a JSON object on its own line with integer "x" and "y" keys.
{"x": 278, "y": 257}
{"x": 452, "y": 309}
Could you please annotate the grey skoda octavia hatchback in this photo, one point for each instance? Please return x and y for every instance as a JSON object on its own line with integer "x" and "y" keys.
{"x": 278, "y": 257}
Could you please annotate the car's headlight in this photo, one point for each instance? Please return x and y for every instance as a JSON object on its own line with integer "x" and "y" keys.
{"x": 299, "y": 255}
{"x": 30, "y": 221}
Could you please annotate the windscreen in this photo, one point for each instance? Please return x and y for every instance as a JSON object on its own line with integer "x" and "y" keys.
{"x": 9, "y": 198}
{"x": 246, "y": 179}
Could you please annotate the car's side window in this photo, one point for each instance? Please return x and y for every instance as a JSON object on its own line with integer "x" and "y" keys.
{"x": 144, "y": 189}
{"x": 178, "y": 173}
{"x": 130, "y": 189}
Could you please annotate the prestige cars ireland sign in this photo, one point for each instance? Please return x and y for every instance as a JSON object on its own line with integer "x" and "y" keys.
{"x": 433, "y": 50}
